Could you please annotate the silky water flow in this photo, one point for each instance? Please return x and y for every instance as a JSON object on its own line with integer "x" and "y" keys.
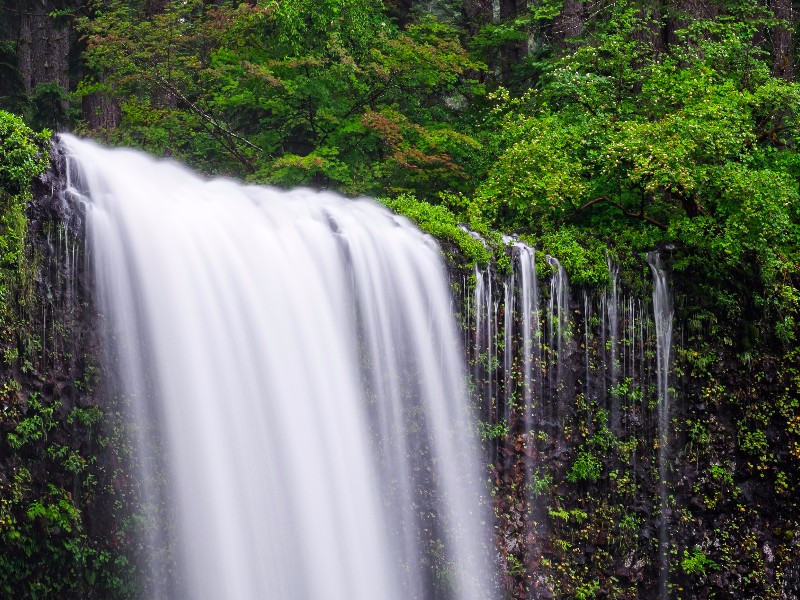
{"x": 296, "y": 387}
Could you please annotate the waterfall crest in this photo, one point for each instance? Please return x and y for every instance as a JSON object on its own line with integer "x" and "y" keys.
{"x": 663, "y": 313}
{"x": 295, "y": 377}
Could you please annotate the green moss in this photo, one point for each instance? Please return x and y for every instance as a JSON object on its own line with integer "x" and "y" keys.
{"x": 697, "y": 563}
{"x": 582, "y": 255}
{"x": 442, "y": 224}
{"x": 587, "y": 467}
{"x": 23, "y": 156}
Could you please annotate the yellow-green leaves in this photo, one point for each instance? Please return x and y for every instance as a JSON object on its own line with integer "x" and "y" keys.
{"x": 23, "y": 154}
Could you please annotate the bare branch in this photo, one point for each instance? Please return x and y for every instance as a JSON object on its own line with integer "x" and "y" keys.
{"x": 227, "y": 137}
{"x": 625, "y": 212}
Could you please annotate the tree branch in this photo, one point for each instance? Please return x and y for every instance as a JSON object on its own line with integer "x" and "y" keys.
{"x": 772, "y": 133}
{"x": 203, "y": 115}
{"x": 625, "y": 212}
{"x": 227, "y": 137}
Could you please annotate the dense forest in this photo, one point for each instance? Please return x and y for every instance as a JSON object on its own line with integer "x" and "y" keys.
{"x": 594, "y": 131}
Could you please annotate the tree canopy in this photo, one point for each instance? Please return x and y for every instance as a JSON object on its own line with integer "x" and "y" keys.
{"x": 627, "y": 123}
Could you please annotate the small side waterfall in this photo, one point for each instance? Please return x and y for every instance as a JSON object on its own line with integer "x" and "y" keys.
{"x": 662, "y": 308}
{"x": 531, "y": 338}
{"x": 589, "y": 391}
{"x": 509, "y": 309}
{"x": 485, "y": 360}
{"x": 611, "y": 301}
{"x": 296, "y": 386}
{"x": 581, "y": 410}
{"x": 558, "y": 329}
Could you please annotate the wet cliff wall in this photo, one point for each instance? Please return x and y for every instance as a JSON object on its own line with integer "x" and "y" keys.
{"x": 597, "y": 491}
{"x": 605, "y": 486}
{"x": 68, "y": 528}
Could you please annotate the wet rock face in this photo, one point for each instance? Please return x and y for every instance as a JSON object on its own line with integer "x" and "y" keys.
{"x": 62, "y": 452}
{"x": 48, "y": 203}
{"x": 52, "y": 205}
{"x": 579, "y": 504}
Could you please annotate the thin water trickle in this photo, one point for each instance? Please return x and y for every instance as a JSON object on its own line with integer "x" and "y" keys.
{"x": 531, "y": 330}
{"x": 509, "y": 307}
{"x": 587, "y": 385}
{"x": 295, "y": 376}
{"x": 559, "y": 323}
{"x": 662, "y": 310}
{"x": 611, "y": 296}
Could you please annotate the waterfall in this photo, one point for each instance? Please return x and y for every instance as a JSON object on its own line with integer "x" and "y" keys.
{"x": 296, "y": 387}
{"x": 662, "y": 308}
{"x": 530, "y": 339}
{"x": 611, "y": 301}
{"x": 485, "y": 360}
{"x": 509, "y": 307}
{"x": 559, "y": 322}
{"x": 588, "y": 389}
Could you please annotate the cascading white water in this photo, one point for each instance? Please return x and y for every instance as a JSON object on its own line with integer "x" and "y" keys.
{"x": 559, "y": 322}
{"x": 611, "y": 302}
{"x": 662, "y": 309}
{"x": 297, "y": 355}
{"x": 531, "y": 330}
{"x": 589, "y": 391}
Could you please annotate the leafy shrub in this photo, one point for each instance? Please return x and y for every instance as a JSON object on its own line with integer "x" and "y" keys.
{"x": 587, "y": 467}
{"x": 697, "y": 563}
{"x": 438, "y": 221}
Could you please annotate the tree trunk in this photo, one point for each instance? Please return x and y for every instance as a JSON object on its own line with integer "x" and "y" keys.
{"x": 477, "y": 13}
{"x": 569, "y": 23}
{"x": 43, "y": 44}
{"x": 154, "y": 7}
{"x": 100, "y": 111}
{"x": 685, "y": 11}
{"x": 653, "y": 32}
{"x": 781, "y": 37}
{"x": 511, "y": 51}
{"x": 400, "y": 10}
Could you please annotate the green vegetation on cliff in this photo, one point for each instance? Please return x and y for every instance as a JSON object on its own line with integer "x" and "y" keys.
{"x": 23, "y": 155}
{"x": 53, "y": 487}
{"x": 591, "y": 130}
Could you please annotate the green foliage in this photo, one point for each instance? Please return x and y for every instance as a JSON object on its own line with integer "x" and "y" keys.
{"x": 697, "y": 563}
{"x": 540, "y": 483}
{"x": 753, "y": 443}
{"x": 587, "y": 590}
{"x": 630, "y": 524}
{"x": 292, "y": 93}
{"x": 23, "y": 155}
{"x": 47, "y": 553}
{"x": 588, "y": 464}
{"x": 53, "y": 481}
{"x": 441, "y": 223}
{"x": 87, "y": 417}
{"x": 577, "y": 515}
{"x": 587, "y": 467}
{"x": 489, "y": 432}
{"x": 34, "y": 427}
{"x": 582, "y": 255}
{"x": 624, "y": 145}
